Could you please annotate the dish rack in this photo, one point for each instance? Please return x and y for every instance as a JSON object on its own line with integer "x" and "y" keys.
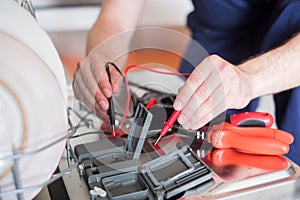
{"x": 19, "y": 191}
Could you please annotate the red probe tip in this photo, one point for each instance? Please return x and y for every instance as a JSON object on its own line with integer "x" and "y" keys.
{"x": 156, "y": 142}
{"x": 168, "y": 124}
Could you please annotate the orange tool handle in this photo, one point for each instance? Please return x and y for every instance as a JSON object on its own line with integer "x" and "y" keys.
{"x": 260, "y": 132}
{"x": 225, "y": 157}
{"x": 250, "y": 144}
{"x": 261, "y": 119}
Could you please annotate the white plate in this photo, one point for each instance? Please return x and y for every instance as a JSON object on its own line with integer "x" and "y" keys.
{"x": 32, "y": 114}
{"x": 18, "y": 23}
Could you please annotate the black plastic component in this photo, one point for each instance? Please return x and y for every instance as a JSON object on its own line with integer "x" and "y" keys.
{"x": 117, "y": 169}
{"x": 98, "y": 148}
{"x": 138, "y": 131}
{"x": 132, "y": 184}
{"x": 162, "y": 110}
{"x": 163, "y": 178}
{"x": 104, "y": 156}
{"x": 252, "y": 122}
{"x": 175, "y": 173}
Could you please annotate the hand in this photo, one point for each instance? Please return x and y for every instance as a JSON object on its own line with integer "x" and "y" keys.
{"x": 91, "y": 84}
{"x": 214, "y": 86}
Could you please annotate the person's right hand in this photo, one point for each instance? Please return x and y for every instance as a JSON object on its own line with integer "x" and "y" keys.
{"x": 91, "y": 84}
{"x": 214, "y": 86}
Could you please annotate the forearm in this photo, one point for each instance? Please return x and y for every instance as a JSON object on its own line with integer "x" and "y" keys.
{"x": 274, "y": 71}
{"x": 115, "y": 17}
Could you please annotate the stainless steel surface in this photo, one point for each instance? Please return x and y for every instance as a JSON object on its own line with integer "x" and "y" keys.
{"x": 284, "y": 184}
{"x": 57, "y": 3}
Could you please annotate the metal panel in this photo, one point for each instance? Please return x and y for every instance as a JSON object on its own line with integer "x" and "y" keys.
{"x": 58, "y": 3}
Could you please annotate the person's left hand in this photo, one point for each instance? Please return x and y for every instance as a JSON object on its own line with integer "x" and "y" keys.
{"x": 91, "y": 85}
{"x": 214, "y": 86}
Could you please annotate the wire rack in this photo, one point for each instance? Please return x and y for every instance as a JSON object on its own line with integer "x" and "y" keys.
{"x": 27, "y": 5}
{"x": 71, "y": 159}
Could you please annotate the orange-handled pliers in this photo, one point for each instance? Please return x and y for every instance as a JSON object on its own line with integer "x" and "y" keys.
{"x": 256, "y": 140}
{"x": 225, "y": 157}
{"x": 261, "y": 119}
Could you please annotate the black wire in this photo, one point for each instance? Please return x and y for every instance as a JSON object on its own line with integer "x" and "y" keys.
{"x": 115, "y": 66}
{"x": 83, "y": 118}
{"x": 111, "y": 110}
{"x": 131, "y": 96}
{"x": 120, "y": 72}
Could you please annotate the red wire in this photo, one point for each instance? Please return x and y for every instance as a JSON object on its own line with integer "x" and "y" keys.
{"x": 151, "y": 103}
{"x": 102, "y": 127}
{"x": 126, "y": 70}
{"x": 154, "y": 70}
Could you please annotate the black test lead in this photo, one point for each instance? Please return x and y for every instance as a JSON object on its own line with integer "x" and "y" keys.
{"x": 111, "y": 110}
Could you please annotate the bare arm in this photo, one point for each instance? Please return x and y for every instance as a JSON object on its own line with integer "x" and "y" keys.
{"x": 276, "y": 70}
{"x": 216, "y": 85}
{"x": 106, "y": 41}
{"x": 116, "y": 16}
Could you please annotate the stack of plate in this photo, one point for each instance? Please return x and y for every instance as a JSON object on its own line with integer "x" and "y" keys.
{"x": 33, "y": 99}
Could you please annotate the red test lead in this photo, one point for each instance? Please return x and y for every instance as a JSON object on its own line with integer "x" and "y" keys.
{"x": 168, "y": 124}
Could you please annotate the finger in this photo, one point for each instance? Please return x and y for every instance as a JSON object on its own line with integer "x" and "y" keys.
{"x": 187, "y": 90}
{"x": 207, "y": 111}
{"x": 85, "y": 100}
{"x": 100, "y": 112}
{"x": 116, "y": 79}
{"x": 82, "y": 94}
{"x": 202, "y": 93}
{"x": 198, "y": 114}
{"x": 198, "y": 76}
{"x": 101, "y": 78}
{"x": 88, "y": 99}
{"x": 88, "y": 76}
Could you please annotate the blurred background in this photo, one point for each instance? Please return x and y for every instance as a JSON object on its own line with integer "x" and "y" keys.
{"x": 68, "y": 21}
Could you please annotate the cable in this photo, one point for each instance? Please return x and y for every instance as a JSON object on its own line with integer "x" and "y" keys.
{"x": 111, "y": 109}
{"x": 129, "y": 67}
{"x": 84, "y": 134}
{"x": 126, "y": 71}
{"x": 128, "y": 97}
{"x": 82, "y": 118}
